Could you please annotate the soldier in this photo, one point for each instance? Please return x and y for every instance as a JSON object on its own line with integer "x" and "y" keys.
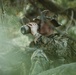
{"x": 50, "y": 46}
{"x": 49, "y": 49}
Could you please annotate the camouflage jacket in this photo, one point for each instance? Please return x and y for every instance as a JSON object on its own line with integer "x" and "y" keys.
{"x": 57, "y": 48}
{"x": 51, "y": 52}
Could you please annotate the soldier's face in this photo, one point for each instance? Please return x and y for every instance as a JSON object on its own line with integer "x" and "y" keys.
{"x": 46, "y": 30}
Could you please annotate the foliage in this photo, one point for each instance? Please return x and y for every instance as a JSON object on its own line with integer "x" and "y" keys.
{"x": 13, "y": 56}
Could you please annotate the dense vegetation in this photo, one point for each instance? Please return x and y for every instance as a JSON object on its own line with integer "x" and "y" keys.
{"x": 13, "y": 43}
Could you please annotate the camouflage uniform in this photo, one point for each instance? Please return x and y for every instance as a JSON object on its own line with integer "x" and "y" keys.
{"x": 54, "y": 49}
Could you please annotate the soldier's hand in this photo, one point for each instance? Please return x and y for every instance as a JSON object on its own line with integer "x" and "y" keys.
{"x": 34, "y": 28}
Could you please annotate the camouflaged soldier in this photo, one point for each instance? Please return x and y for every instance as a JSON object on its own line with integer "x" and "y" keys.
{"x": 56, "y": 49}
{"x": 49, "y": 48}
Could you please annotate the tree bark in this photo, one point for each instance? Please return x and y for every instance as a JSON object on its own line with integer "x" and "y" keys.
{"x": 55, "y": 8}
{"x": 51, "y": 6}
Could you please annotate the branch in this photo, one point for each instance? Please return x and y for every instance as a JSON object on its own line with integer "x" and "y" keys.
{"x": 61, "y": 33}
{"x": 1, "y": 5}
{"x": 51, "y": 6}
{"x": 55, "y": 8}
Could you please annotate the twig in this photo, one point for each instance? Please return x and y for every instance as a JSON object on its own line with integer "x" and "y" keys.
{"x": 71, "y": 20}
{"x": 2, "y": 8}
{"x": 63, "y": 34}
